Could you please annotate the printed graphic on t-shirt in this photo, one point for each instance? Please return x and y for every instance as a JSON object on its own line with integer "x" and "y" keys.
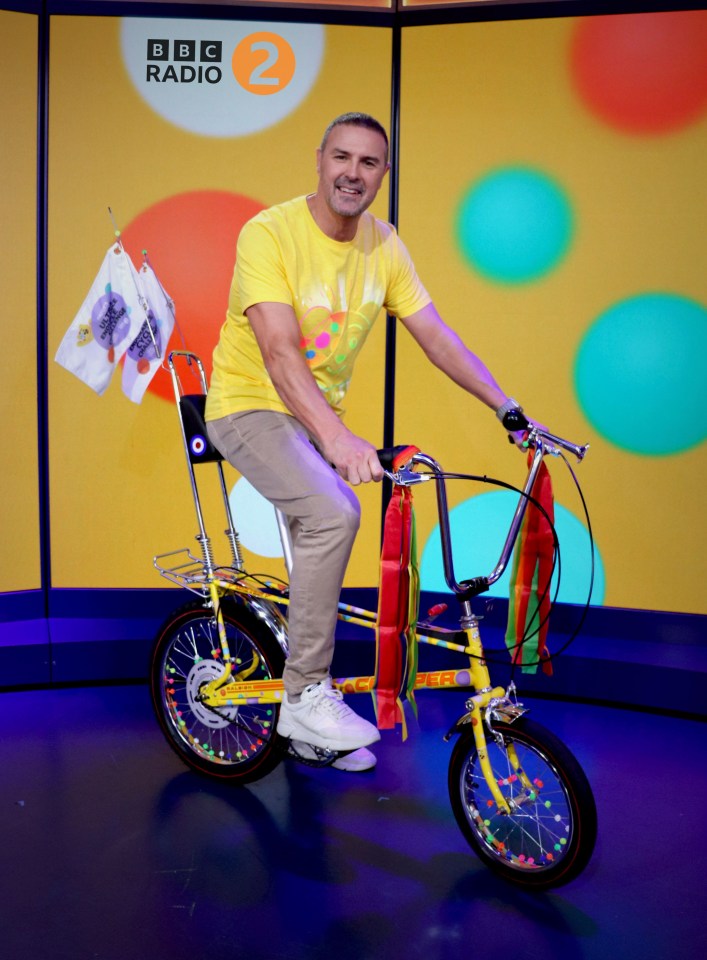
{"x": 331, "y": 339}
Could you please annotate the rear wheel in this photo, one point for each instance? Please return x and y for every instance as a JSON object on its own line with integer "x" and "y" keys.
{"x": 549, "y": 836}
{"x": 230, "y": 742}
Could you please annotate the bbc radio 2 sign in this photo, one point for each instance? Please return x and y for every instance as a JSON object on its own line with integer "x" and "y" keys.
{"x": 222, "y": 78}
{"x": 183, "y": 69}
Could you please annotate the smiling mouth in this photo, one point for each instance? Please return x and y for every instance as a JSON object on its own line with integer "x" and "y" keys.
{"x": 349, "y": 191}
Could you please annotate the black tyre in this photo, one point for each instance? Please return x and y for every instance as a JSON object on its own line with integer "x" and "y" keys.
{"x": 230, "y": 743}
{"x": 549, "y": 836}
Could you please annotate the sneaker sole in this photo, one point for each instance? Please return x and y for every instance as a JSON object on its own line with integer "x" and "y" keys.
{"x": 292, "y": 732}
{"x": 352, "y": 764}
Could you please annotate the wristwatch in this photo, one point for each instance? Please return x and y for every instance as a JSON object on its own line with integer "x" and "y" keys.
{"x": 506, "y": 407}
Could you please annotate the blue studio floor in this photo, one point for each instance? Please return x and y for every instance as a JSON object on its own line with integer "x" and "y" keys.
{"x": 111, "y": 850}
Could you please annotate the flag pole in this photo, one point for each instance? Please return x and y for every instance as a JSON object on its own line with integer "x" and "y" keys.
{"x": 168, "y": 299}
{"x": 143, "y": 300}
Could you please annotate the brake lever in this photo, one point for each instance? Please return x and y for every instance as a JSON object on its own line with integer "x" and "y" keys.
{"x": 406, "y": 477}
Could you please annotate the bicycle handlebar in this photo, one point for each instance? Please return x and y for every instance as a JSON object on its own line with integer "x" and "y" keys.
{"x": 399, "y": 461}
{"x": 515, "y": 421}
{"x": 396, "y": 460}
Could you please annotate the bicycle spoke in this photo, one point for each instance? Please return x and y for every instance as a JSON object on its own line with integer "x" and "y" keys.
{"x": 535, "y": 834}
{"x": 193, "y": 658}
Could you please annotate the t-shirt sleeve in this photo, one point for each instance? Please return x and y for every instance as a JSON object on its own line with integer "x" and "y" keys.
{"x": 406, "y": 294}
{"x": 260, "y": 271}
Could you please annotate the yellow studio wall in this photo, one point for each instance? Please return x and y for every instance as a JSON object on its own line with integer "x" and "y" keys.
{"x": 119, "y": 488}
{"x": 19, "y": 505}
{"x": 476, "y": 98}
{"x": 483, "y": 97}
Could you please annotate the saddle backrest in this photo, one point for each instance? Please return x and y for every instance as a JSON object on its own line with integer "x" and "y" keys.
{"x": 199, "y": 447}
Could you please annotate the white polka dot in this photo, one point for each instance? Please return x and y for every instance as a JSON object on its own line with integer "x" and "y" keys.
{"x": 200, "y": 93}
{"x": 254, "y": 519}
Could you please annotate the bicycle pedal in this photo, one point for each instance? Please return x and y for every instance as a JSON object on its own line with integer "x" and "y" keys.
{"x": 310, "y": 755}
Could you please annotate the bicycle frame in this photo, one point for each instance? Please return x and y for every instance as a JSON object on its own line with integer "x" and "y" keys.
{"x": 204, "y": 577}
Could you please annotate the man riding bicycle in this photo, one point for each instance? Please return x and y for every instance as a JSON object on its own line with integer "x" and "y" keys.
{"x": 311, "y": 277}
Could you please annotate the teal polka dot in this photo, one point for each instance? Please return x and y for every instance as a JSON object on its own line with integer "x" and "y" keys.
{"x": 479, "y": 527}
{"x": 640, "y": 374}
{"x": 514, "y": 225}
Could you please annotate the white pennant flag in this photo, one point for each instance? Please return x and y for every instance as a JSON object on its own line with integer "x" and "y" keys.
{"x": 107, "y": 323}
{"x": 145, "y": 354}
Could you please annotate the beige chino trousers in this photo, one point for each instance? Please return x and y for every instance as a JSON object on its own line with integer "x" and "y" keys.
{"x": 276, "y": 454}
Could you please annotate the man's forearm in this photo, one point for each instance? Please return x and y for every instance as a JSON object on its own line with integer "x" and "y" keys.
{"x": 353, "y": 457}
{"x": 449, "y": 353}
{"x": 277, "y": 332}
{"x": 468, "y": 371}
{"x": 298, "y": 390}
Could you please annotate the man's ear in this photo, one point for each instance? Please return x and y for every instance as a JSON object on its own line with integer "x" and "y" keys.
{"x": 319, "y": 160}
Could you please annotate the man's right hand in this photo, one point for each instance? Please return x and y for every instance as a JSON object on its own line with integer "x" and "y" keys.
{"x": 353, "y": 458}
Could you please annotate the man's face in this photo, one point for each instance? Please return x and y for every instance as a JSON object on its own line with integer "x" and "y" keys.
{"x": 351, "y": 169}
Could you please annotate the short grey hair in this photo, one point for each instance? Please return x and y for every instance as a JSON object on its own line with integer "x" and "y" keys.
{"x": 357, "y": 120}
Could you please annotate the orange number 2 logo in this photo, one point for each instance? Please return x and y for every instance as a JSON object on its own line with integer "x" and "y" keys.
{"x": 263, "y": 63}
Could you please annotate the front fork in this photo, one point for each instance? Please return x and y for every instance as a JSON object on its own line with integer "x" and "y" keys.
{"x": 487, "y": 704}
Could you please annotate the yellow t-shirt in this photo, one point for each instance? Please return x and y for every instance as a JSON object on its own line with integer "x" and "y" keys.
{"x": 337, "y": 291}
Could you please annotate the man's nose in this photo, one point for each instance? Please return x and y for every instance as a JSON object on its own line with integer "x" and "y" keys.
{"x": 352, "y": 170}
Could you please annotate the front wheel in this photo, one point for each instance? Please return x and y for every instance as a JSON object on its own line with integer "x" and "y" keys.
{"x": 231, "y": 742}
{"x": 549, "y": 836}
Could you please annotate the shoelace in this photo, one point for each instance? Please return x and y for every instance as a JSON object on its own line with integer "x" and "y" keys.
{"x": 332, "y": 700}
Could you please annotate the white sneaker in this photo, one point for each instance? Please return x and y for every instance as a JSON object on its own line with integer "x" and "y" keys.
{"x": 357, "y": 761}
{"x": 323, "y": 719}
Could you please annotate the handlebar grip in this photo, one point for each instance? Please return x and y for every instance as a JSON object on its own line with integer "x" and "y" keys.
{"x": 395, "y": 458}
{"x": 515, "y": 420}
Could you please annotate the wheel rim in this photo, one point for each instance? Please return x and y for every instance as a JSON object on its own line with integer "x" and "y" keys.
{"x": 537, "y": 836}
{"x": 228, "y": 735}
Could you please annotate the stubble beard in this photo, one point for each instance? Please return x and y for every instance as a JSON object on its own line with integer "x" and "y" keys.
{"x": 340, "y": 206}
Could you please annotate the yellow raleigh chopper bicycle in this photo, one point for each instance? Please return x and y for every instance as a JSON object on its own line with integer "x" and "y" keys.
{"x": 519, "y": 796}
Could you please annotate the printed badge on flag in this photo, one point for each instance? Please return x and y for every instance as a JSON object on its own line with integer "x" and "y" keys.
{"x": 145, "y": 354}
{"x": 107, "y": 323}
